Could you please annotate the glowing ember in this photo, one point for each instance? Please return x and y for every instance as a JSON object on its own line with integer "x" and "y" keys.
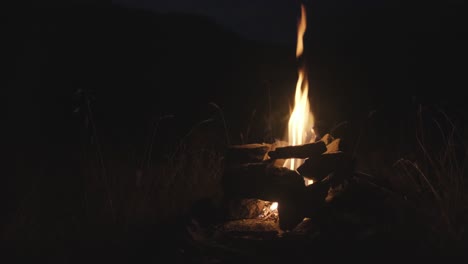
{"x": 274, "y": 206}
{"x": 301, "y": 121}
{"x": 270, "y": 211}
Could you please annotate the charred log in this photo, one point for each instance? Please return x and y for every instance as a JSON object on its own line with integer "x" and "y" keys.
{"x": 318, "y": 168}
{"x": 344, "y": 171}
{"x": 267, "y": 182}
{"x": 248, "y": 153}
{"x": 315, "y": 197}
{"x": 261, "y": 181}
{"x": 274, "y": 146}
{"x": 334, "y": 146}
{"x": 300, "y": 151}
{"x": 245, "y": 180}
{"x": 308, "y": 203}
{"x": 291, "y": 211}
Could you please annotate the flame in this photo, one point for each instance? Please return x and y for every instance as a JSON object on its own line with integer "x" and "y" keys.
{"x": 301, "y": 28}
{"x": 273, "y": 206}
{"x": 301, "y": 121}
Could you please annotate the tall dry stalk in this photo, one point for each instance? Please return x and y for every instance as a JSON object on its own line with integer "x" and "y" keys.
{"x": 434, "y": 181}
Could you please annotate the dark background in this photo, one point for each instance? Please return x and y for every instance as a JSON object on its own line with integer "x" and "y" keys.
{"x": 135, "y": 63}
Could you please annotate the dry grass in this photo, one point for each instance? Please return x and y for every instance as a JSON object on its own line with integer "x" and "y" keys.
{"x": 117, "y": 192}
{"x": 422, "y": 166}
{"x": 434, "y": 180}
{"x": 170, "y": 187}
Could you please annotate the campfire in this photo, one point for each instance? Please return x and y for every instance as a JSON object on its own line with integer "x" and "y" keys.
{"x": 287, "y": 180}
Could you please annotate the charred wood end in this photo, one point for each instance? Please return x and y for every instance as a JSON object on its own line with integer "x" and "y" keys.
{"x": 327, "y": 139}
{"x": 318, "y": 168}
{"x": 334, "y": 146}
{"x": 248, "y": 153}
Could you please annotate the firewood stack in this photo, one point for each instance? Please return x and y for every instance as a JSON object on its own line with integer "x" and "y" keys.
{"x": 255, "y": 171}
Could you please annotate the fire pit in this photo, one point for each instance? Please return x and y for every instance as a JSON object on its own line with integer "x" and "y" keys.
{"x": 255, "y": 171}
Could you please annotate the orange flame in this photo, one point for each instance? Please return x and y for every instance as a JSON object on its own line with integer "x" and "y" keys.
{"x": 301, "y": 28}
{"x": 301, "y": 121}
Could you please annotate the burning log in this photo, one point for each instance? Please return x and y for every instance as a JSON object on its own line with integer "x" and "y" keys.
{"x": 274, "y": 146}
{"x": 247, "y": 153}
{"x": 267, "y": 182}
{"x": 299, "y": 151}
{"x": 261, "y": 181}
{"x": 307, "y": 203}
{"x": 318, "y": 168}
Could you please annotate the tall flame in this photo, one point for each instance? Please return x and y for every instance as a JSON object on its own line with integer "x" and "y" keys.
{"x": 301, "y": 28}
{"x": 301, "y": 121}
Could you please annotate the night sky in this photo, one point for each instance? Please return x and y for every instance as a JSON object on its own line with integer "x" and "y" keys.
{"x": 264, "y": 20}
{"x": 418, "y": 33}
